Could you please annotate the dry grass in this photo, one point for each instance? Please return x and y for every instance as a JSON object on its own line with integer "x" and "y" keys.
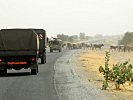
{"x": 93, "y": 59}
{"x": 90, "y": 61}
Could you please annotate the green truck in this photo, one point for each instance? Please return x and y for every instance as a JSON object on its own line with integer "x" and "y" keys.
{"x": 55, "y": 44}
{"x": 19, "y": 48}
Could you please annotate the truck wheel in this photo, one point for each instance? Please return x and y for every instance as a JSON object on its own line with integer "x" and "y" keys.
{"x": 34, "y": 69}
{"x": 51, "y": 50}
{"x": 3, "y": 72}
{"x": 42, "y": 60}
{"x": 59, "y": 50}
{"x": 37, "y": 69}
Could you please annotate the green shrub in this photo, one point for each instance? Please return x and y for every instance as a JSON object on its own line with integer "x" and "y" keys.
{"x": 120, "y": 73}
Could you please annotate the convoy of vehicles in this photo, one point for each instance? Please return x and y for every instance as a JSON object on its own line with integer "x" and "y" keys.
{"x": 21, "y": 48}
{"x": 55, "y": 44}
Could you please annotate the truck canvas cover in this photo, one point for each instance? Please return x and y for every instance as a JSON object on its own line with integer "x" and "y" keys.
{"x": 41, "y": 34}
{"x": 18, "y": 42}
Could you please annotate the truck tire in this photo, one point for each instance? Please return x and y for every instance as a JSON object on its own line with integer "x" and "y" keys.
{"x": 42, "y": 60}
{"x": 37, "y": 70}
{"x": 59, "y": 50}
{"x": 51, "y": 50}
{"x": 34, "y": 69}
{"x": 3, "y": 72}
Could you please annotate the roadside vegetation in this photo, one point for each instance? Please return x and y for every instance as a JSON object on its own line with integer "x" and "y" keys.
{"x": 127, "y": 39}
{"x": 119, "y": 74}
{"x": 119, "y": 83}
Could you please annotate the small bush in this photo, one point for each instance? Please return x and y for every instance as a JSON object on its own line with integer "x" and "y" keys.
{"x": 120, "y": 73}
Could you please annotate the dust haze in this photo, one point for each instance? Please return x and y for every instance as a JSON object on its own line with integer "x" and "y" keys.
{"x": 70, "y": 17}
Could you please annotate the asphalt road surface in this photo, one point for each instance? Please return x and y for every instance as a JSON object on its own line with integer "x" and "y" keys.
{"x": 20, "y": 85}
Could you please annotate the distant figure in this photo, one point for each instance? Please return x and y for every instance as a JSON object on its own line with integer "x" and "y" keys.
{"x": 113, "y": 47}
{"x": 97, "y": 46}
{"x": 125, "y": 48}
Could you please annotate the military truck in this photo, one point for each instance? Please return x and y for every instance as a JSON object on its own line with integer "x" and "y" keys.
{"x": 42, "y": 42}
{"x": 55, "y": 44}
{"x": 19, "y": 49}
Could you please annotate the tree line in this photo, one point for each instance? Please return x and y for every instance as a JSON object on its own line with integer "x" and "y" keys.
{"x": 73, "y": 38}
{"x": 127, "y": 39}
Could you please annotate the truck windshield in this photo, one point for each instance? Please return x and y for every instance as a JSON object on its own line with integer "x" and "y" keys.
{"x": 55, "y": 42}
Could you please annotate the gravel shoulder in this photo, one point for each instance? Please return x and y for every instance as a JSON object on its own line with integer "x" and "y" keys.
{"x": 72, "y": 83}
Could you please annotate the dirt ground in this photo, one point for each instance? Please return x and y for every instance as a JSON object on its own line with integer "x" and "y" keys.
{"x": 90, "y": 60}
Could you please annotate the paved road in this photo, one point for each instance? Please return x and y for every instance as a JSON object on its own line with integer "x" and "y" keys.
{"x": 20, "y": 85}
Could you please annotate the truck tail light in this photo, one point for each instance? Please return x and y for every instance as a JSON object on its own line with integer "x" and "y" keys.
{"x": 0, "y": 60}
{"x": 33, "y": 59}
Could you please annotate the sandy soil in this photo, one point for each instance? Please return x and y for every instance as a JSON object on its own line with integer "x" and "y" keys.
{"x": 89, "y": 62}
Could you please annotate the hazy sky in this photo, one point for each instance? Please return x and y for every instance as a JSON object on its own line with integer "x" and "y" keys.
{"x": 68, "y": 16}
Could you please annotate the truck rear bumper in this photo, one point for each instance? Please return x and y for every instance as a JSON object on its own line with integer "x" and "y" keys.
{"x": 17, "y": 62}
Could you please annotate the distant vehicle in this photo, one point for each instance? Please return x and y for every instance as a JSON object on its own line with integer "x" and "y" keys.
{"x": 55, "y": 44}
{"x": 19, "y": 49}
